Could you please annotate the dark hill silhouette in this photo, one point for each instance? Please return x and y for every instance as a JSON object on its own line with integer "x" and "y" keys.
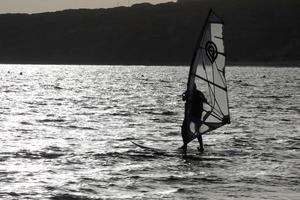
{"x": 256, "y": 32}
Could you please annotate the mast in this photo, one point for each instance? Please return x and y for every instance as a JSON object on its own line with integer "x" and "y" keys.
{"x": 197, "y": 47}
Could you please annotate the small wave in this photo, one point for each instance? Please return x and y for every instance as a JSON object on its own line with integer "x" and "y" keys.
{"x": 4, "y": 158}
{"x": 24, "y": 130}
{"x": 169, "y": 113}
{"x": 164, "y": 81}
{"x": 231, "y": 153}
{"x": 156, "y": 112}
{"x": 36, "y": 103}
{"x": 173, "y": 133}
{"x": 57, "y": 88}
{"x": 38, "y": 154}
{"x": 183, "y": 190}
{"x": 69, "y": 197}
{"x": 51, "y": 120}
{"x": 85, "y": 114}
{"x": 50, "y": 155}
{"x": 80, "y": 127}
{"x": 9, "y": 91}
{"x": 152, "y": 112}
{"x": 50, "y": 152}
{"x": 55, "y": 99}
{"x": 125, "y": 139}
{"x": 13, "y": 194}
{"x": 285, "y": 120}
{"x": 25, "y": 123}
{"x": 163, "y": 120}
{"x": 270, "y": 97}
{"x": 90, "y": 107}
{"x": 294, "y": 108}
{"x": 277, "y": 97}
{"x": 135, "y": 177}
{"x": 240, "y": 82}
{"x": 88, "y": 190}
{"x": 247, "y": 85}
{"x": 209, "y": 180}
{"x": 250, "y": 180}
{"x": 135, "y": 155}
{"x": 246, "y": 117}
{"x": 125, "y": 114}
{"x": 109, "y": 155}
{"x": 293, "y": 145}
{"x": 88, "y": 97}
{"x": 174, "y": 178}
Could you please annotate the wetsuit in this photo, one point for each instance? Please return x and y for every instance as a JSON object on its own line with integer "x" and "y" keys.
{"x": 197, "y": 101}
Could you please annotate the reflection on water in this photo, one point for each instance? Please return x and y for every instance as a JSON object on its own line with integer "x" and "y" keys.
{"x": 66, "y": 132}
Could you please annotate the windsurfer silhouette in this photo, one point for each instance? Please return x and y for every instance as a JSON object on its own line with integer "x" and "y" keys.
{"x": 197, "y": 101}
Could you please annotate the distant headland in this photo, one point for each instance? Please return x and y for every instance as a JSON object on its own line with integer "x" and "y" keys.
{"x": 256, "y": 33}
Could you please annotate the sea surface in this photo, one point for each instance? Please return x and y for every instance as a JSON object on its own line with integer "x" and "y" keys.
{"x": 66, "y": 132}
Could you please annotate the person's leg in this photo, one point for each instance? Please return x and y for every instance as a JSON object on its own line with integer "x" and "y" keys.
{"x": 200, "y": 148}
{"x": 183, "y": 133}
{"x": 199, "y": 136}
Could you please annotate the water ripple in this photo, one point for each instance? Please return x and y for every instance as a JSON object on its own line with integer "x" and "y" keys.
{"x": 66, "y": 133}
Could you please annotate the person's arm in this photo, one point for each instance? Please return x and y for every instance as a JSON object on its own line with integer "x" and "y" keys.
{"x": 202, "y": 97}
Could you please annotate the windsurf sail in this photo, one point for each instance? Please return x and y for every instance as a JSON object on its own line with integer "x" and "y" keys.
{"x": 206, "y": 106}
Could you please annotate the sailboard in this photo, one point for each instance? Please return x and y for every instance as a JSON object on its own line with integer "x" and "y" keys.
{"x": 207, "y": 79}
{"x": 155, "y": 150}
{"x": 164, "y": 151}
{"x": 191, "y": 155}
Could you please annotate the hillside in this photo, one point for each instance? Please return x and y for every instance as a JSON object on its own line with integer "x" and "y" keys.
{"x": 256, "y": 32}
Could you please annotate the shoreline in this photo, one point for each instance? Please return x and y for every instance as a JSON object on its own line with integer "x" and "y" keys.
{"x": 260, "y": 65}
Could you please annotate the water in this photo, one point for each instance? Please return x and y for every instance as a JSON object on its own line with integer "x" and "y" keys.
{"x": 66, "y": 132}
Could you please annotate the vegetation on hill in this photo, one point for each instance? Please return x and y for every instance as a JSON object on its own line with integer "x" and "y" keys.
{"x": 256, "y": 32}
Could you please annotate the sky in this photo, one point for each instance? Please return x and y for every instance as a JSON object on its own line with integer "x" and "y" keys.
{"x": 37, "y": 6}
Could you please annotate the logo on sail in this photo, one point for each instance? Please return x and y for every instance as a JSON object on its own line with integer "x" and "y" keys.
{"x": 211, "y": 51}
